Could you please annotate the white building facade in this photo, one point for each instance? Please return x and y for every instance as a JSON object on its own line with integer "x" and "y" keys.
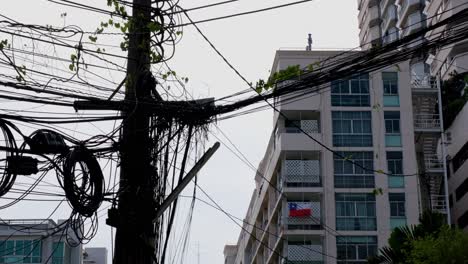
{"x": 311, "y": 205}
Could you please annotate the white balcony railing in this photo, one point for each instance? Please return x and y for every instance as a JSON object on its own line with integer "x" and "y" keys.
{"x": 432, "y": 162}
{"x": 308, "y": 126}
{"x": 423, "y": 82}
{"x": 301, "y": 172}
{"x": 438, "y": 203}
{"x": 403, "y": 6}
{"x": 305, "y": 253}
{"x": 426, "y": 121}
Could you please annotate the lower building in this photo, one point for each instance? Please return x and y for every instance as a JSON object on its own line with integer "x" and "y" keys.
{"x": 37, "y": 241}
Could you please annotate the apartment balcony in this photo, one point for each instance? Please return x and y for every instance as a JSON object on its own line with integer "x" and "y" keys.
{"x": 389, "y": 38}
{"x": 303, "y": 251}
{"x": 301, "y": 214}
{"x": 389, "y": 19}
{"x": 297, "y": 130}
{"x": 423, "y": 84}
{"x": 301, "y": 173}
{"x": 438, "y": 204}
{"x": 427, "y": 123}
{"x": 433, "y": 164}
{"x": 458, "y": 63}
{"x": 407, "y": 7}
{"x": 413, "y": 24}
{"x": 374, "y": 18}
{"x": 384, "y": 4}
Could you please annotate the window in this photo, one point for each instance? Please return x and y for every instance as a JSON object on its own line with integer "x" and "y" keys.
{"x": 58, "y": 249}
{"x": 355, "y": 211}
{"x": 20, "y": 251}
{"x": 395, "y": 168}
{"x": 352, "y": 129}
{"x": 462, "y": 221}
{"x": 392, "y": 129}
{"x": 390, "y": 87}
{"x": 461, "y": 190}
{"x": 292, "y": 126}
{"x": 351, "y": 92}
{"x": 397, "y": 209}
{"x": 351, "y": 175}
{"x": 355, "y": 249}
{"x": 460, "y": 157}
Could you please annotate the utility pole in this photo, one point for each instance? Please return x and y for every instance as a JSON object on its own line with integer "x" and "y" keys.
{"x": 135, "y": 236}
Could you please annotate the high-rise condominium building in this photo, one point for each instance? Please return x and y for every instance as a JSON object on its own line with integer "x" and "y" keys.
{"x": 311, "y": 205}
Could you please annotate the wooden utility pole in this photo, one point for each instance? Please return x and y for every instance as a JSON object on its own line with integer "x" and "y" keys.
{"x": 135, "y": 235}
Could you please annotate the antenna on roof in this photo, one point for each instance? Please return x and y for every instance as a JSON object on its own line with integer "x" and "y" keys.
{"x": 309, "y": 43}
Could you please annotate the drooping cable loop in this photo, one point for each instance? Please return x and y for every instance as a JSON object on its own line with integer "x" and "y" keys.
{"x": 83, "y": 181}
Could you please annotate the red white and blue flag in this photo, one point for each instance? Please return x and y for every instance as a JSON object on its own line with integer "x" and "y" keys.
{"x": 299, "y": 209}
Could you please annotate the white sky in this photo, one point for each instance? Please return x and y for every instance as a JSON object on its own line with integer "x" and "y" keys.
{"x": 249, "y": 42}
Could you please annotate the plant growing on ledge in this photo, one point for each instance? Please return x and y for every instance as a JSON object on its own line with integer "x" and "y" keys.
{"x": 290, "y": 73}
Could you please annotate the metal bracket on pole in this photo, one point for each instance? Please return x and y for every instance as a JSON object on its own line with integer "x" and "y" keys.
{"x": 186, "y": 180}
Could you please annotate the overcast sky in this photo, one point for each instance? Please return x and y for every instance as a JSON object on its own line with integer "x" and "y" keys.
{"x": 249, "y": 42}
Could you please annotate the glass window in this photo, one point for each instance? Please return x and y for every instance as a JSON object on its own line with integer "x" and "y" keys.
{"x": 355, "y": 211}
{"x": 390, "y": 87}
{"x": 352, "y": 129}
{"x": 292, "y": 126}
{"x": 461, "y": 190}
{"x": 355, "y": 249}
{"x": 395, "y": 168}
{"x": 20, "y": 251}
{"x": 351, "y": 92}
{"x": 397, "y": 209}
{"x": 351, "y": 175}
{"x": 392, "y": 129}
{"x": 58, "y": 252}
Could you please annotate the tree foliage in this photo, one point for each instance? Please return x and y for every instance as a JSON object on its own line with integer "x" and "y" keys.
{"x": 454, "y": 96}
{"x": 400, "y": 241}
{"x": 449, "y": 246}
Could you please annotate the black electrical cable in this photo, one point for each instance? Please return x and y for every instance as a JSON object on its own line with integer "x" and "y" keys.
{"x": 85, "y": 192}
{"x": 7, "y": 177}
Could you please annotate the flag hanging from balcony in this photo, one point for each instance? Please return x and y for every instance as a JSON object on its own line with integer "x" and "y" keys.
{"x": 299, "y": 209}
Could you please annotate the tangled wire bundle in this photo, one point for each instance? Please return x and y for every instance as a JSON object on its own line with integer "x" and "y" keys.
{"x": 7, "y": 176}
{"x": 83, "y": 181}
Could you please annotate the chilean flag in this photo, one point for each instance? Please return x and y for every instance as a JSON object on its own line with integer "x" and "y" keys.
{"x": 299, "y": 211}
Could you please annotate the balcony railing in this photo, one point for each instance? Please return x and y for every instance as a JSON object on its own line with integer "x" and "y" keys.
{"x": 390, "y": 15}
{"x": 297, "y": 173}
{"x": 383, "y": 4}
{"x": 426, "y": 121}
{"x": 404, "y": 5}
{"x": 305, "y": 215}
{"x": 304, "y": 253}
{"x": 308, "y": 126}
{"x": 433, "y": 163}
{"x": 423, "y": 82}
{"x": 438, "y": 203}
